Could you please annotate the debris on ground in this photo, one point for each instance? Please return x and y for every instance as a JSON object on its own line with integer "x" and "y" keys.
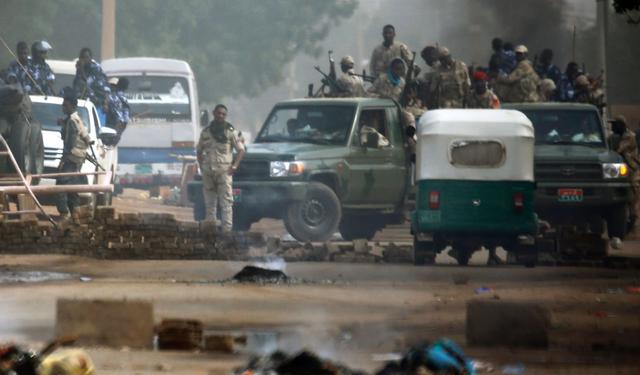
{"x": 483, "y": 290}
{"x": 179, "y": 334}
{"x": 254, "y": 274}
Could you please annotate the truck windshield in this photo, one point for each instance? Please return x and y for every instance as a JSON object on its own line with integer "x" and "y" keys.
{"x": 47, "y": 114}
{"x": 155, "y": 97}
{"x": 308, "y": 124}
{"x": 567, "y": 127}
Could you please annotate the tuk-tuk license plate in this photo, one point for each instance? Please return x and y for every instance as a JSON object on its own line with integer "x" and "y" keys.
{"x": 570, "y": 195}
{"x": 237, "y": 195}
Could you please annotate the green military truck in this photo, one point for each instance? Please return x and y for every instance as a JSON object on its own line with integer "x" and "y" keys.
{"x": 580, "y": 182}
{"x": 312, "y": 166}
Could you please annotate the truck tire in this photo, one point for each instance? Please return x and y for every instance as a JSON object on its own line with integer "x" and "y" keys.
{"x": 241, "y": 222}
{"x": 617, "y": 221}
{"x": 424, "y": 252}
{"x": 36, "y": 148}
{"x": 463, "y": 254}
{"x": 20, "y": 144}
{"x": 356, "y": 227}
{"x": 199, "y": 210}
{"x": 316, "y": 217}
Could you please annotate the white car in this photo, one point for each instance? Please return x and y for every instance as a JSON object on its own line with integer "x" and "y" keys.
{"x": 47, "y": 110}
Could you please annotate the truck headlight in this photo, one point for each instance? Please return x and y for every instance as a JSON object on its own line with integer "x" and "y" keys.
{"x": 285, "y": 168}
{"x": 615, "y": 170}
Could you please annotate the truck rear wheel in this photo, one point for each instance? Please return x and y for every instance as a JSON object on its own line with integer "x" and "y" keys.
{"x": 354, "y": 227}
{"x": 316, "y": 217}
{"x": 20, "y": 144}
{"x": 617, "y": 221}
{"x": 424, "y": 252}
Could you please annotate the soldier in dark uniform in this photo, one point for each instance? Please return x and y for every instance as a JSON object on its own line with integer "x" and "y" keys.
{"x": 20, "y": 66}
{"x": 39, "y": 70}
{"x": 90, "y": 81}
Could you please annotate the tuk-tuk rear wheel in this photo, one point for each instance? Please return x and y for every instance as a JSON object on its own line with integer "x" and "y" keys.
{"x": 424, "y": 252}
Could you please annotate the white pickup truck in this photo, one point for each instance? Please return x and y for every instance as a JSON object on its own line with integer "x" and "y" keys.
{"x": 47, "y": 110}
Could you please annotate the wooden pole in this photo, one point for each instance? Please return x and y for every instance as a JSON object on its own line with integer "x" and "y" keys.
{"x": 108, "y": 40}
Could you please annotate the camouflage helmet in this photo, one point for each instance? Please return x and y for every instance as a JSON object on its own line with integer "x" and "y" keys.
{"x": 347, "y": 60}
{"x": 547, "y": 85}
{"x": 41, "y": 46}
{"x": 582, "y": 80}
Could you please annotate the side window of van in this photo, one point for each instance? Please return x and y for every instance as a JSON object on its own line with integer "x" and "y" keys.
{"x": 478, "y": 154}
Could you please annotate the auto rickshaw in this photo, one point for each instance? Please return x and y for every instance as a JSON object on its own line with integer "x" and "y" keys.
{"x": 474, "y": 184}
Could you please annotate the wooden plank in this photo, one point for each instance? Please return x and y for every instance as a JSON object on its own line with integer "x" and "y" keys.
{"x": 26, "y": 204}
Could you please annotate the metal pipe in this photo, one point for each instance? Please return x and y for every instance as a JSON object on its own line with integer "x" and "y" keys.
{"x": 56, "y": 189}
{"x": 25, "y": 186}
{"x": 66, "y": 174}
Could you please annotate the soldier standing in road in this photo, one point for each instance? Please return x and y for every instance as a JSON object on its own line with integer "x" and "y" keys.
{"x": 388, "y": 51}
{"x": 523, "y": 81}
{"x": 390, "y": 84}
{"x": 626, "y": 146}
{"x": 20, "y": 66}
{"x": 76, "y": 141}
{"x": 39, "y": 70}
{"x": 215, "y": 157}
{"x": 481, "y": 96}
{"x": 454, "y": 81}
{"x": 350, "y": 85}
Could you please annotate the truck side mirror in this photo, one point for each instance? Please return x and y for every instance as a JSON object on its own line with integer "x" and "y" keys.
{"x": 108, "y": 136}
{"x": 410, "y": 131}
{"x": 204, "y": 118}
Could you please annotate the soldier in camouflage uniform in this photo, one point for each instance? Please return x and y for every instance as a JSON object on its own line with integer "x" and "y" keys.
{"x": 481, "y": 96}
{"x": 390, "y": 84}
{"x": 39, "y": 70}
{"x": 76, "y": 141}
{"x": 388, "y": 51}
{"x": 453, "y": 81}
{"x": 349, "y": 84}
{"x": 215, "y": 157}
{"x": 624, "y": 142}
{"x": 585, "y": 93}
{"x": 523, "y": 81}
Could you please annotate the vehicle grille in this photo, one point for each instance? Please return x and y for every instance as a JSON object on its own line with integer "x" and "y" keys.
{"x": 52, "y": 153}
{"x": 252, "y": 170}
{"x": 573, "y": 172}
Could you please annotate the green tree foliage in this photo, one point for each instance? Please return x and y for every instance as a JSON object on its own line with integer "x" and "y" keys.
{"x": 235, "y": 47}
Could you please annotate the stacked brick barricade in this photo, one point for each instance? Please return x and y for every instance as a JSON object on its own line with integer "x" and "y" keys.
{"x": 103, "y": 233}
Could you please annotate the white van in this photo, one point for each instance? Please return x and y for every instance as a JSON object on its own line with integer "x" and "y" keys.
{"x": 47, "y": 110}
{"x": 65, "y": 72}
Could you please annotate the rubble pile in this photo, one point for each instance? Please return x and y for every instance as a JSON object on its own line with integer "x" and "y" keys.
{"x": 253, "y": 274}
{"x": 103, "y": 233}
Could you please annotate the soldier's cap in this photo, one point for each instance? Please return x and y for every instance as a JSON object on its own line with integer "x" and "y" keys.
{"x": 42, "y": 46}
{"x": 113, "y": 81}
{"x": 619, "y": 118}
{"x": 347, "y": 60}
{"x": 444, "y": 51}
{"x": 480, "y": 76}
{"x": 521, "y": 48}
{"x": 582, "y": 80}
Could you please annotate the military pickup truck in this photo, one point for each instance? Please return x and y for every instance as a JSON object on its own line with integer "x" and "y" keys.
{"x": 580, "y": 181}
{"x": 312, "y": 166}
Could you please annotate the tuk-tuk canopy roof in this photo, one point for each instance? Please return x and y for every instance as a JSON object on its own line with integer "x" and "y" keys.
{"x": 441, "y": 131}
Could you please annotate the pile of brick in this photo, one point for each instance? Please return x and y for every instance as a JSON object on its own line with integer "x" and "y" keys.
{"x": 104, "y": 233}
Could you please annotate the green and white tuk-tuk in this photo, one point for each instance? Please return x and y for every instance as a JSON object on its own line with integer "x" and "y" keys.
{"x": 474, "y": 184}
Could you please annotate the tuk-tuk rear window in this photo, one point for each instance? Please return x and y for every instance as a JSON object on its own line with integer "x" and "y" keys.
{"x": 475, "y": 153}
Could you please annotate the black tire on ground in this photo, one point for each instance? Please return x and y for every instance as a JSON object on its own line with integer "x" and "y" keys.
{"x": 527, "y": 255}
{"x": 355, "y": 227}
{"x": 241, "y": 222}
{"x": 463, "y": 255}
{"x": 424, "y": 252}
{"x": 36, "y": 148}
{"x": 617, "y": 221}
{"x": 199, "y": 210}
{"x": 19, "y": 142}
{"x": 316, "y": 217}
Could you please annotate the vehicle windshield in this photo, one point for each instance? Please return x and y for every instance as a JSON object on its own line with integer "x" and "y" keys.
{"x": 63, "y": 80}
{"x": 567, "y": 127}
{"x": 328, "y": 124}
{"x": 48, "y": 114}
{"x": 156, "y": 97}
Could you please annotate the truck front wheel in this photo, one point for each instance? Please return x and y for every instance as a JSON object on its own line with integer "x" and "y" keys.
{"x": 617, "y": 221}
{"x": 316, "y": 217}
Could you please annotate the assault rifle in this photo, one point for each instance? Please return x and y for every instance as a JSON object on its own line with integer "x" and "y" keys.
{"x": 327, "y": 81}
{"x": 404, "y": 98}
{"x": 364, "y": 76}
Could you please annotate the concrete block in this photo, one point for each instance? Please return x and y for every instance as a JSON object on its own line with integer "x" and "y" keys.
{"x": 507, "y": 323}
{"x": 110, "y": 323}
{"x": 360, "y": 246}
